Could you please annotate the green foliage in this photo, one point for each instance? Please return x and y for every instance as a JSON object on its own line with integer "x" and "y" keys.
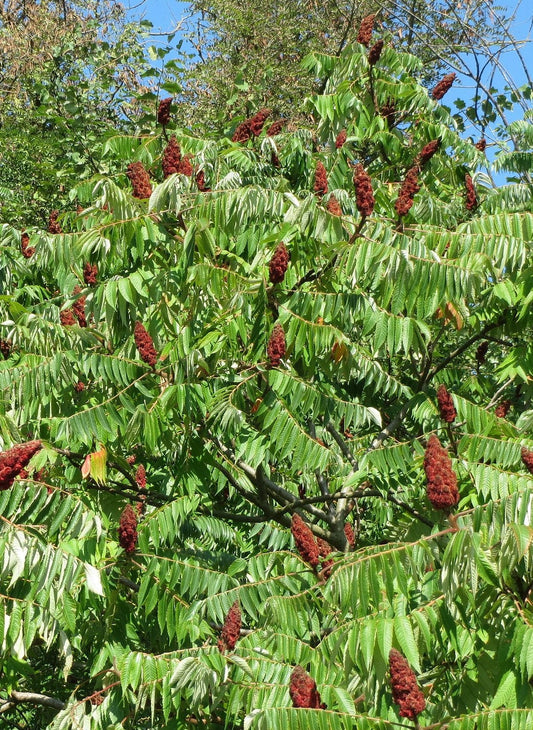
{"x": 377, "y": 312}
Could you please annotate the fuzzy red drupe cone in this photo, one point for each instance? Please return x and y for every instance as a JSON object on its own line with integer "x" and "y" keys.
{"x": 333, "y": 206}
{"x": 427, "y": 152}
{"x": 321, "y": 180}
{"x": 441, "y": 486}
{"x": 276, "y": 346}
{"x": 364, "y": 196}
{"x": 527, "y": 459}
{"x": 305, "y": 541}
{"x": 243, "y": 132}
{"x": 405, "y": 689}
{"x": 127, "y": 529}
{"x": 350, "y": 534}
{"x": 79, "y": 387}
{"x": 471, "y": 197}
{"x": 303, "y": 691}
{"x": 27, "y": 250}
{"x": 140, "y": 476}
{"x": 388, "y": 112}
{"x": 502, "y": 409}
{"x": 5, "y": 348}
{"x": 53, "y": 225}
{"x": 171, "y": 157}
{"x": 443, "y": 86}
{"x": 408, "y": 190}
{"x": 481, "y": 145}
{"x": 446, "y": 407}
{"x": 13, "y": 461}
{"x": 185, "y": 166}
{"x": 275, "y": 128}
{"x": 145, "y": 345}
{"x": 79, "y": 308}
{"x": 231, "y": 629}
{"x": 279, "y": 263}
{"x": 341, "y": 139}
{"x": 131, "y": 459}
{"x": 200, "y": 182}
{"x": 375, "y": 53}
{"x": 163, "y": 113}
{"x": 481, "y": 352}
{"x": 258, "y": 120}
{"x": 90, "y": 272}
{"x": 365, "y": 30}
{"x": 67, "y": 318}
{"x": 140, "y": 180}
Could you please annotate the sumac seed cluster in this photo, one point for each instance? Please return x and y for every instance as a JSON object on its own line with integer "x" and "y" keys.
{"x": 13, "y": 461}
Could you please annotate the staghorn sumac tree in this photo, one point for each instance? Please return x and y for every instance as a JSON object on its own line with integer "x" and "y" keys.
{"x": 128, "y": 581}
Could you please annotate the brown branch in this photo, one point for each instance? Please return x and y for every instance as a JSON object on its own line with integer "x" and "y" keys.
{"x": 33, "y": 698}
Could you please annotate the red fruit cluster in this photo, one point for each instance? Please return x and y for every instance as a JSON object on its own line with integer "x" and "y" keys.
{"x": 388, "y": 111}
{"x": 276, "y": 346}
{"x": 303, "y": 691}
{"x": 481, "y": 145}
{"x": 443, "y": 86}
{"x": 365, "y": 30}
{"x": 364, "y": 196}
{"x": 527, "y": 459}
{"x": 231, "y": 630}
{"x": 471, "y": 197}
{"x": 481, "y": 352}
{"x": 5, "y": 348}
{"x": 145, "y": 345}
{"x": 171, "y": 157}
{"x": 67, "y": 318}
{"x": 163, "y": 113}
{"x": 200, "y": 182}
{"x": 258, "y": 120}
{"x": 408, "y": 190}
{"x": 185, "y": 166}
{"x": 441, "y": 486}
{"x": 79, "y": 387}
{"x": 275, "y": 128}
{"x": 405, "y": 689}
{"x": 242, "y": 133}
{"x": 341, "y": 139}
{"x": 375, "y": 53}
{"x": 279, "y": 263}
{"x": 305, "y": 541}
{"x": 127, "y": 529}
{"x": 503, "y": 408}
{"x": 427, "y": 152}
{"x": 140, "y": 180}
{"x": 350, "y": 534}
{"x": 79, "y": 308}
{"x": 13, "y": 461}
{"x": 333, "y": 206}
{"x": 446, "y": 407}
{"x": 90, "y": 272}
{"x": 53, "y": 225}
{"x": 131, "y": 459}
{"x": 27, "y": 250}
{"x": 140, "y": 476}
{"x": 321, "y": 180}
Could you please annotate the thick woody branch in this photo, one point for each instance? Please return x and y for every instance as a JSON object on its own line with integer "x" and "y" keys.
{"x": 32, "y": 698}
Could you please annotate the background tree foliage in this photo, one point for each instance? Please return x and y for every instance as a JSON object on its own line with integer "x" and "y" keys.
{"x": 248, "y": 53}
{"x": 216, "y": 442}
{"x": 69, "y": 73}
